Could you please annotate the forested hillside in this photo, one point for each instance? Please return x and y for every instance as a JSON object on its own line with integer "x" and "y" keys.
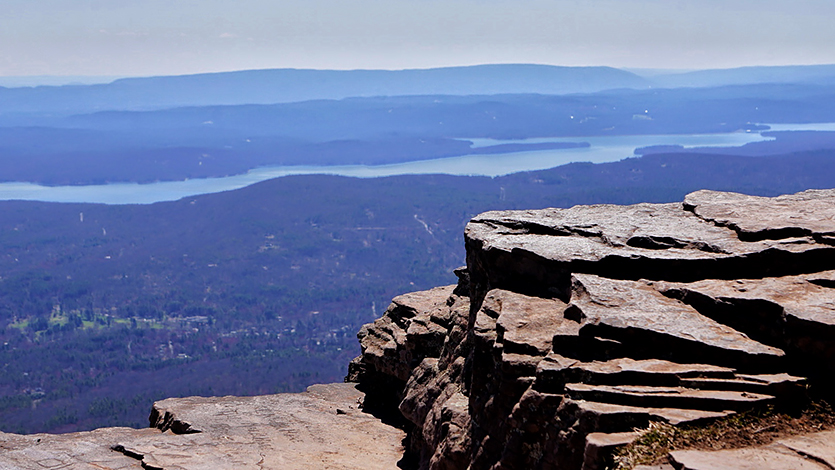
{"x": 105, "y": 308}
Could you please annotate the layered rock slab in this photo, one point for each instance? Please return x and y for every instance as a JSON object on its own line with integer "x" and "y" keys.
{"x": 818, "y": 446}
{"x": 635, "y": 311}
{"x": 795, "y": 313}
{"x": 321, "y": 428}
{"x": 537, "y": 251}
{"x": 612, "y": 416}
{"x": 808, "y": 213}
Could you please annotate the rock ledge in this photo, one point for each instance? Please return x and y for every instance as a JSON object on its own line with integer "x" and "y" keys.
{"x": 570, "y": 328}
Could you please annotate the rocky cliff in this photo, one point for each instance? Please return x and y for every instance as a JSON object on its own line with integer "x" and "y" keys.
{"x": 569, "y": 331}
{"x": 571, "y": 328}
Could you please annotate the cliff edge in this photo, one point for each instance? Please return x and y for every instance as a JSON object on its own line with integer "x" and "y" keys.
{"x": 572, "y": 328}
{"x": 569, "y": 332}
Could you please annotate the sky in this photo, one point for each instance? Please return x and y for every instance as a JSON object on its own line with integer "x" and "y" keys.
{"x": 167, "y": 37}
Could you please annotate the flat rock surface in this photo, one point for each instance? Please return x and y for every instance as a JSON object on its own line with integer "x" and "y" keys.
{"x": 672, "y": 416}
{"x": 318, "y": 429}
{"x": 820, "y": 446}
{"x": 648, "y": 229}
{"x": 807, "y": 213}
{"x": 806, "y": 451}
{"x": 680, "y": 397}
{"x": 82, "y": 450}
{"x": 592, "y": 233}
{"x": 754, "y": 383}
{"x": 652, "y": 366}
{"x": 743, "y": 459}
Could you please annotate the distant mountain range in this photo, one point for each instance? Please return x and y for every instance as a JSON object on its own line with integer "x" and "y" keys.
{"x": 18, "y": 81}
{"x": 221, "y": 140}
{"x": 800, "y": 74}
{"x": 291, "y": 85}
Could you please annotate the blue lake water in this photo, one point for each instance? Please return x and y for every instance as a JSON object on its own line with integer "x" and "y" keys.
{"x": 601, "y": 149}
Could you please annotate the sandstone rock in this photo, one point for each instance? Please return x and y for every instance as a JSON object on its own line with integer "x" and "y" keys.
{"x": 807, "y": 451}
{"x": 599, "y": 445}
{"x": 635, "y": 312}
{"x": 555, "y": 371}
{"x": 766, "y": 383}
{"x": 810, "y": 213}
{"x": 422, "y": 390}
{"x": 818, "y": 446}
{"x": 668, "y": 397}
{"x": 285, "y": 431}
{"x": 646, "y": 371}
{"x": 628, "y": 347}
{"x": 612, "y": 417}
{"x": 795, "y": 313}
{"x": 511, "y": 334}
{"x": 651, "y": 369}
{"x": 527, "y": 325}
{"x": 537, "y": 251}
{"x": 453, "y": 440}
{"x": 743, "y": 459}
{"x": 436, "y": 325}
{"x": 84, "y": 451}
{"x": 568, "y": 328}
{"x": 411, "y": 329}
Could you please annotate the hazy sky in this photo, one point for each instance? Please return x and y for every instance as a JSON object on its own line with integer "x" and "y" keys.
{"x": 147, "y": 37}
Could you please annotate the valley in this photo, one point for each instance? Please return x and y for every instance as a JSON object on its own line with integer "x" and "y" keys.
{"x": 262, "y": 289}
{"x": 260, "y": 286}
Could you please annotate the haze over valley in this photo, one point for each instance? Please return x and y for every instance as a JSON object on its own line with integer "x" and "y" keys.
{"x": 107, "y": 307}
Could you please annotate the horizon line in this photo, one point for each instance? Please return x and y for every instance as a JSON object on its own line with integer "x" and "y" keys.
{"x": 659, "y": 70}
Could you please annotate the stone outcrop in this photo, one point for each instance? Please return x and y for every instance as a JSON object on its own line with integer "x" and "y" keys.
{"x": 320, "y": 428}
{"x": 815, "y": 451}
{"x": 570, "y": 328}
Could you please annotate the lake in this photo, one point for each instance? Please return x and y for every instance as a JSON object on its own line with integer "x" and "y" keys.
{"x": 602, "y": 149}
